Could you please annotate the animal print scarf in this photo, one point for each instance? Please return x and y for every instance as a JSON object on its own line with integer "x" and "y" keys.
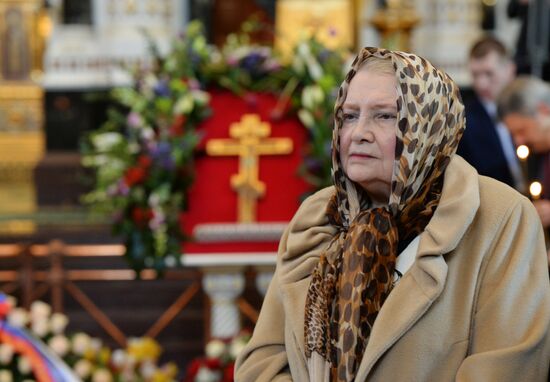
{"x": 354, "y": 275}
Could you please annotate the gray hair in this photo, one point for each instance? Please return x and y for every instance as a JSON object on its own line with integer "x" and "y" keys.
{"x": 523, "y": 96}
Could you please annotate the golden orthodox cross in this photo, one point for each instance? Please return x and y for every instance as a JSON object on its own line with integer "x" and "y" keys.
{"x": 250, "y": 141}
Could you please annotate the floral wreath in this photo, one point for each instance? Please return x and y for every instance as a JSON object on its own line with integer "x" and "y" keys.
{"x": 143, "y": 156}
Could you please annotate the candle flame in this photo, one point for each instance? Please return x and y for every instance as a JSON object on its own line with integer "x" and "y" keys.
{"x": 522, "y": 152}
{"x": 535, "y": 189}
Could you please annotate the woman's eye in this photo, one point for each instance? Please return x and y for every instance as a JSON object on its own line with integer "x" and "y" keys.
{"x": 348, "y": 116}
{"x": 387, "y": 116}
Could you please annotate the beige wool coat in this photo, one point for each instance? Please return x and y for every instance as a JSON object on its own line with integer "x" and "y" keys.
{"x": 474, "y": 306}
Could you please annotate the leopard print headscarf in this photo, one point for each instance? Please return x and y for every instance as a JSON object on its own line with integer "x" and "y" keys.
{"x": 354, "y": 275}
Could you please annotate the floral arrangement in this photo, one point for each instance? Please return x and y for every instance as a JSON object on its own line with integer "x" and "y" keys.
{"x": 143, "y": 160}
{"x": 219, "y": 362}
{"x": 318, "y": 72}
{"x": 89, "y": 359}
{"x": 143, "y": 156}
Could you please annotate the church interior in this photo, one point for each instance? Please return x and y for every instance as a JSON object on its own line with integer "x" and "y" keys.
{"x": 152, "y": 153}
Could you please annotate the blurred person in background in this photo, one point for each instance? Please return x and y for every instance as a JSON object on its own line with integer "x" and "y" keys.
{"x": 524, "y": 106}
{"x": 486, "y": 143}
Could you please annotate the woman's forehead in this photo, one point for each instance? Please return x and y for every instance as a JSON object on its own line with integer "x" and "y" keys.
{"x": 372, "y": 87}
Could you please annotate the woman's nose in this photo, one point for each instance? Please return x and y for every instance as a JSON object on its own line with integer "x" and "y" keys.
{"x": 362, "y": 131}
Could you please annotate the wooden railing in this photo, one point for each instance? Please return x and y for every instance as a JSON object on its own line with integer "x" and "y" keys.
{"x": 33, "y": 283}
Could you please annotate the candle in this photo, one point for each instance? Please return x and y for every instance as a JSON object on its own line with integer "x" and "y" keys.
{"x": 536, "y": 190}
{"x": 522, "y": 152}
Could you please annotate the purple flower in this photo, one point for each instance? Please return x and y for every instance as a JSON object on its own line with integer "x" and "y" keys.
{"x": 312, "y": 164}
{"x": 332, "y": 31}
{"x": 324, "y": 55}
{"x": 134, "y": 119}
{"x": 161, "y": 89}
{"x": 123, "y": 189}
{"x": 232, "y": 61}
{"x": 194, "y": 84}
{"x": 162, "y": 154}
{"x": 252, "y": 61}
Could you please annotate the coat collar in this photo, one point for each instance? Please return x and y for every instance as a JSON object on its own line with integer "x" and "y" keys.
{"x": 418, "y": 288}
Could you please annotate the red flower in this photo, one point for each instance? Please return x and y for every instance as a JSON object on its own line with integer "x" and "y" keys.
{"x": 192, "y": 370}
{"x": 144, "y": 161}
{"x": 141, "y": 216}
{"x": 177, "y": 126}
{"x": 228, "y": 372}
{"x": 134, "y": 175}
{"x": 213, "y": 363}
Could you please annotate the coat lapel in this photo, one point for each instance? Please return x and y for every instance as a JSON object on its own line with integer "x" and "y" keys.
{"x": 406, "y": 304}
{"x": 294, "y": 298}
{"x": 425, "y": 281}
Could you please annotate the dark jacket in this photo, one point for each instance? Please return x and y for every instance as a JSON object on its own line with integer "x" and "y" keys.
{"x": 480, "y": 145}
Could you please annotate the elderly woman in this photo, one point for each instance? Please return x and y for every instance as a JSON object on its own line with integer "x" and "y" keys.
{"x": 412, "y": 267}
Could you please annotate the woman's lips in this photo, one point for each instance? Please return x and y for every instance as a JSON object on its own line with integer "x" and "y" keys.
{"x": 360, "y": 155}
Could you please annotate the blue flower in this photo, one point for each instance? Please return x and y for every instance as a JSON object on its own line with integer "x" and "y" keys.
{"x": 252, "y": 61}
{"x": 162, "y": 89}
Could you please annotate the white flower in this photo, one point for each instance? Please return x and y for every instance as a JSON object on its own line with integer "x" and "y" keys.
{"x": 303, "y": 50}
{"x": 6, "y": 376}
{"x": 314, "y": 68}
{"x": 133, "y": 147}
{"x": 83, "y": 368}
{"x": 40, "y": 309}
{"x": 206, "y": 375}
{"x": 312, "y": 96}
{"x": 95, "y": 344}
{"x": 106, "y": 141}
{"x": 119, "y": 358}
{"x": 130, "y": 360}
{"x": 170, "y": 261}
{"x": 58, "y": 323}
{"x": 24, "y": 365}
{"x": 184, "y": 105}
{"x": 306, "y": 117}
{"x": 81, "y": 343}
{"x": 18, "y": 317}
{"x": 6, "y": 354}
{"x": 40, "y": 327}
{"x": 236, "y": 348}
{"x": 147, "y": 370}
{"x": 200, "y": 97}
{"x": 215, "y": 349}
{"x": 147, "y": 133}
{"x": 59, "y": 344}
{"x": 298, "y": 65}
{"x": 102, "y": 375}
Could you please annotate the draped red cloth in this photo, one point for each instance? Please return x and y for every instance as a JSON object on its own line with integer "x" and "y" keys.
{"x": 211, "y": 199}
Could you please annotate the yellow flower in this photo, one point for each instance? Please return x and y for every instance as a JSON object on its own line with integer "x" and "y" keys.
{"x": 104, "y": 355}
{"x": 144, "y": 349}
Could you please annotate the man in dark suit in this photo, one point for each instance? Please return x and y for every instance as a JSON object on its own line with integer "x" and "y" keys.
{"x": 487, "y": 144}
{"x": 525, "y": 107}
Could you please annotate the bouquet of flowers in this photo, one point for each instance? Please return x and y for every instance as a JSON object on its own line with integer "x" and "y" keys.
{"x": 218, "y": 364}
{"x": 320, "y": 71}
{"x": 143, "y": 157}
{"x": 143, "y": 160}
{"x": 89, "y": 359}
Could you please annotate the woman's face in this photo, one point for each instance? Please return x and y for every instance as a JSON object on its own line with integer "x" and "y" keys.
{"x": 367, "y": 136}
